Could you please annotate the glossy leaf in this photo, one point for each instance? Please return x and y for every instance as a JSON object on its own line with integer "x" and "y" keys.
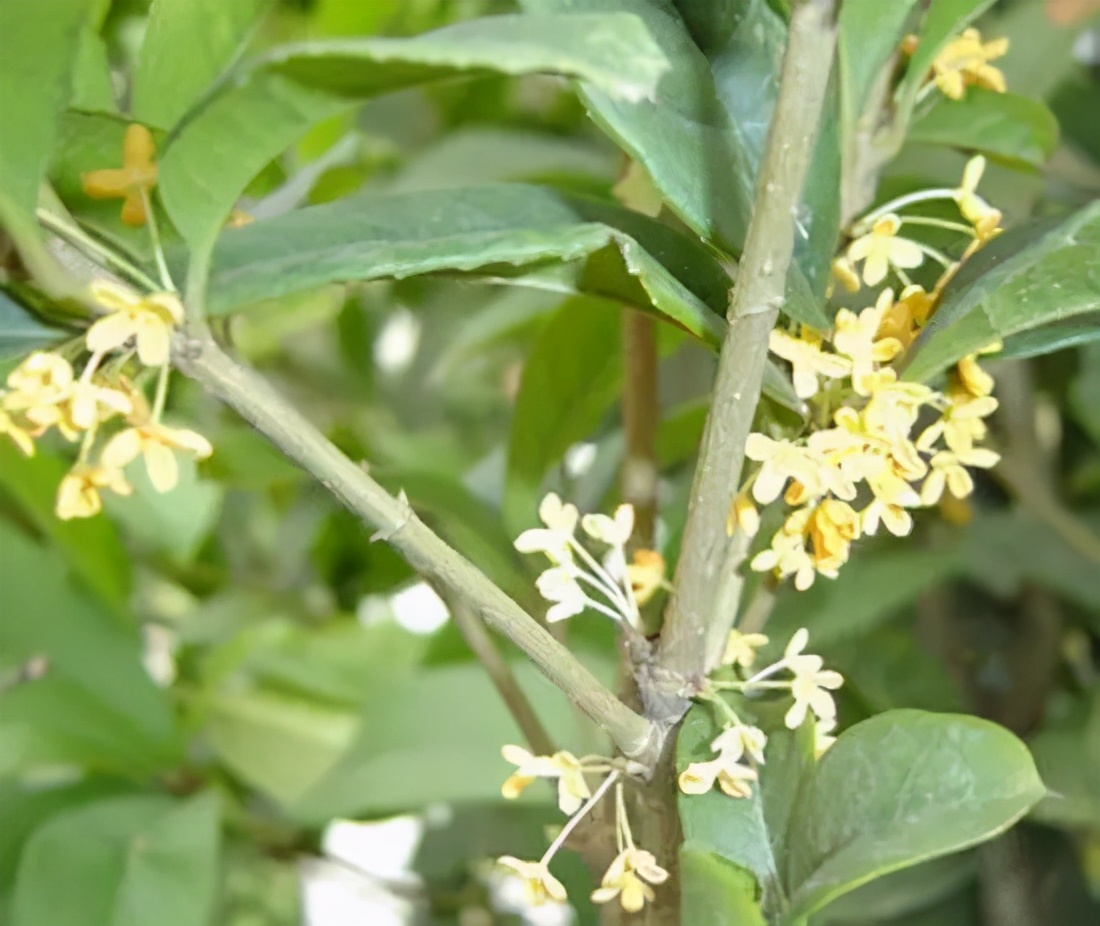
{"x": 715, "y": 892}
{"x": 1075, "y": 332}
{"x": 1003, "y": 125}
{"x": 123, "y": 861}
{"x": 1028, "y": 277}
{"x": 952, "y": 781}
{"x": 37, "y": 53}
{"x": 490, "y": 231}
{"x": 228, "y": 138}
{"x": 185, "y": 49}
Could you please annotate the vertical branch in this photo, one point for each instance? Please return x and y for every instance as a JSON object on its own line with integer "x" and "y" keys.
{"x": 708, "y": 586}
{"x": 640, "y": 414}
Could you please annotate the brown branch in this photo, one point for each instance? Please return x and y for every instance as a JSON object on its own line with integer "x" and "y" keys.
{"x": 640, "y": 413}
{"x": 708, "y": 587}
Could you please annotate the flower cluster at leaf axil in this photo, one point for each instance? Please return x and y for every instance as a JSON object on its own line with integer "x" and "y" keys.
{"x": 127, "y": 343}
{"x": 874, "y": 446}
{"x": 739, "y": 748}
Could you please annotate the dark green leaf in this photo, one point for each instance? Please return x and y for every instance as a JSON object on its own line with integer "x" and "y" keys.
{"x": 21, "y": 332}
{"x": 952, "y": 781}
{"x": 91, "y": 545}
{"x": 491, "y": 231}
{"x": 124, "y": 861}
{"x": 95, "y": 705}
{"x": 715, "y": 892}
{"x": 1003, "y": 125}
{"x": 186, "y": 47}
{"x": 870, "y": 33}
{"x": 1055, "y": 337}
{"x": 1026, "y": 278}
{"x": 37, "y": 52}
{"x": 904, "y": 891}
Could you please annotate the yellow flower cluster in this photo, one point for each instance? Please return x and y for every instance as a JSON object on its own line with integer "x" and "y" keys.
{"x": 632, "y": 872}
{"x": 133, "y": 181}
{"x": 879, "y": 446}
{"x": 964, "y": 62}
{"x": 44, "y": 393}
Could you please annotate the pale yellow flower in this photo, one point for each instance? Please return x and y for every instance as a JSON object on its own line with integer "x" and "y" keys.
{"x": 784, "y": 460}
{"x": 646, "y": 574}
{"x": 559, "y": 585}
{"x": 79, "y": 494}
{"x": 892, "y": 495}
{"x": 156, "y": 445}
{"x": 949, "y": 469}
{"x": 741, "y": 648}
{"x": 18, "y": 434}
{"x": 985, "y": 219}
{"x": 133, "y": 181}
{"x": 808, "y": 361}
{"x": 843, "y": 271}
{"x": 881, "y": 248}
{"x": 41, "y": 386}
{"x": 904, "y": 318}
{"x": 564, "y": 766}
{"x": 614, "y": 531}
{"x": 856, "y": 337}
{"x": 560, "y": 520}
{"x": 833, "y": 526}
{"x": 961, "y": 424}
{"x": 787, "y": 554}
{"x": 810, "y": 690}
{"x": 627, "y": 879}
{"x": 964, "y": 62}
{"x": 742, "y": 515}
{"x": 148, "y": 320}
{"x": 973, "y": 378}
{"x": 539, "y": 885}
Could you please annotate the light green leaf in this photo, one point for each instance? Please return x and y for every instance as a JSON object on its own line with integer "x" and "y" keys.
{"x": 1074, "y": 332}
{"x": 870, "y": 33}
{"x": 21, "y": 332}
{"x": 37, "y": 53}
{"x": 904, "y": 891}
{"x": 228, "y": 138}
{"x": 186, "y": 48}
{"x": 92, "y": 87}
{"x": 123, "y": 861}
{"x": 491, "y": 231}
{"x": 944, "y": 20}
{"x": 96, "y": 704}
{"x": 91, "y": 545}
{"x": 1003, "y": 125}
{"x": 715, "y": 892}
{"x": 952, "y": 781}
{"x": 1026, "y": 278}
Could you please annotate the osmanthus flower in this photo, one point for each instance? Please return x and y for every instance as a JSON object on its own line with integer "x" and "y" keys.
{"x": 949, "y": 470}
{"x": 614, "y": 531}
{"x": 880, "y": 249}
{"x": 80, "y": 491}
{"x": 961, "y": 424}
{"x": 539, "y": 885}
{"x": 832, "y": 527}
{"x": 741, "y": 648}
{"x": 148, "y": 320}
{"x": 38, "y": 388}
{"x": 964, "y": 62}
{"x": 905, "y": 316}
{"x": 629, "y": 878}
{"x": 559, "y": 585}
{"x": 743, "y": 515}
{"x": 892, "y": 496}
{"x": 573, "y": 790}
{"x": 985, "y": 219}
{"x": 90, "y": 403}
{"x": 560, "y": 520}
{"x": 808, "y": 361}
{"x": 646, "y": 574}
{"x": 811, "y": 684}
{"x": 732, "y": 776}
{"x": 857, "y": 338}
{"x": 783, "y": 460}
{"x": 19, "y": 435}
{"x": 973, "y": 378}
{"x": 156, "y": 444}
{"x": 787, "y": 554}
{"x": 131, "y": 182}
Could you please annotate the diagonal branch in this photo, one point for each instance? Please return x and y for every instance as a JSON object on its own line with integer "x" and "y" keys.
{"x": 200, "y": 358}
{"x": 708, "y": 586}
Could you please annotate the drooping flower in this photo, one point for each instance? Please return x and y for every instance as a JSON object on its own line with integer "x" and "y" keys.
{"x": 784, "y": 460}
{"x": 560, "y": 520}
{"x": 40, "y": 388}
{"x": 808, "y": 361}
{"x": 148, "y": 320}
{"x": 741, "y": 648}
{"x": 627, "y": 879}
{"x": 985, "y": 219}
{"x": 539, "y": 885}
{"x": 559, "y": 585}
{"x": 832, "y": 528}
{"x": 646, "y": 574}
{"x": 79, "y": 494}
{"x": 564, "y": 766}
{"x": 856, "y": 337}
{"x": 973, "y": 378}
{"x": 843, "y": 271}
{"x": 964, "y": 62}
{"x": 787, "y": 554}
{"x": 961, "y": 424}
{"x": 743, "y": 515}
{"x": 881, "y": 248}
{"x": 614, "y": 531}
{"x": 133, "y": 181}
{"x": 727, "y": 770}
{"x": 18, "y": 434}
{"x": 810, "y": 690}
{"x": 904, "y": 318}
{"x": 156, "y": 445}
{"x": 949, "y": 470}
{"x": 892, "y": 496}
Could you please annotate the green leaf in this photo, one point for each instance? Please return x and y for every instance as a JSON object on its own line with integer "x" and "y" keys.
{"x": 1026, "y": 278}
{"x": 229, "y": 137}
{"x": 904, "y": 891}
{"x": 95, "y": 705}
{"x": 92, "y": 87}
{"x": 1002, "y": 125}
{"x": 1067, "y": 752}
{"x": 489, "y": 231}
{"x": 1074, "y": 332}
{"x": 186, "y": 48}
{"x": 715, "y": 892}
{"x": 21, "y": 332}
{"x": 37, "y": 52}
{"x": 125, "y": 861}
{"x": 91, "y": 545}
{"x": 870, "y": 33}
{"x": 944, "y": 20}
{"x": 951, "y": 781}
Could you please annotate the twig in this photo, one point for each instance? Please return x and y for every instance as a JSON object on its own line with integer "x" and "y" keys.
{"x": 640, "y": 414}
{"x": 502, "y": 677}
{"x": 708, "y": 586}
{"x": 200, "y": 358}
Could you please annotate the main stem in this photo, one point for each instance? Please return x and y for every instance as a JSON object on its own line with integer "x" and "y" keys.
{"x": 258, "y": 403}
{"x": 708, "y": 586}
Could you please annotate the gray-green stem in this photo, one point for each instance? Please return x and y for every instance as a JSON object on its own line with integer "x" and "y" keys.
{"x": 708, "y": 585}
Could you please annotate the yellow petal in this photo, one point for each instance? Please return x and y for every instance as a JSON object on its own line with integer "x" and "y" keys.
{"x": 109, "y": 332}
{"x": 122, "y": 449}
{"x": 161, "y": 465}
